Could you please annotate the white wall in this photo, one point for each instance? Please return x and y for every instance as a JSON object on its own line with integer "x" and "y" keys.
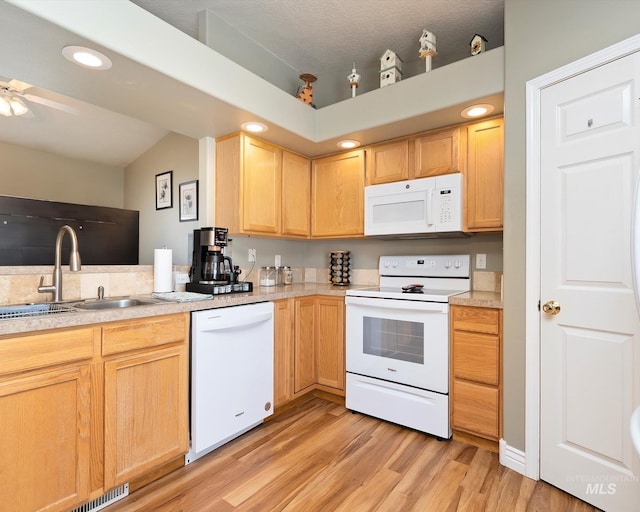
{"x": 159, "y": 228}
{"x": 539, "y": 36}
{"x": 26, "y": 172}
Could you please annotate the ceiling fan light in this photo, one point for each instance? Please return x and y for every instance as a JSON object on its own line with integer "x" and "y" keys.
{"x": 17, "y": 106}
{"x": 5, "y": 106}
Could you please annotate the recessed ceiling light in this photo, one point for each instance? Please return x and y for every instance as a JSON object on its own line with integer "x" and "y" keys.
{"x": 86, "y": 57}
{"x": 254, "y": 127}
{"x": 482, "y": 109}
{"x": 348, "y": 144}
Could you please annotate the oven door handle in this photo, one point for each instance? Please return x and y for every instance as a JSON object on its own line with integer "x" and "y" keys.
{"x": 398, "y": 304}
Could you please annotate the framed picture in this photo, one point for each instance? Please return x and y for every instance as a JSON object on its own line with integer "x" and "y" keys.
{"x": 188, "y": 194}
{"x": 164, "y": 190}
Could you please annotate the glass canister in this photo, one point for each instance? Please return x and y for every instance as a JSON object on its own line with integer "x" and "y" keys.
{"x": 268, "y": 276}
{"x": 287, "y": 274}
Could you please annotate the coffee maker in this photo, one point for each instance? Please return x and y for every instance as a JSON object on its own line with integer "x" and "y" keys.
{"x": 211, "y": 271}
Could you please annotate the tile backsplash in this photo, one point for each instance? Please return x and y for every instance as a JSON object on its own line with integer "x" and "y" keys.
{"x": 20, "y": 284}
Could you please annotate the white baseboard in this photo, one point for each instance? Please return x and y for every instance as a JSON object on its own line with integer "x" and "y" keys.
{"x": 512, "y": 457}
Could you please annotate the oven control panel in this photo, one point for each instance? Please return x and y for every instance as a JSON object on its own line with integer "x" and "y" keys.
{"x": 450, "y": 265}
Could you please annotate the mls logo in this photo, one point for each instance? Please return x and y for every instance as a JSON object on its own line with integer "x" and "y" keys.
{"x": 601, "y": 488}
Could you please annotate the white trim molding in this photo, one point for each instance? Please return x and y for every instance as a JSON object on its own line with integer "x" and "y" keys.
{"x": 534, "y": 87}
{"x": 512, "y": 458}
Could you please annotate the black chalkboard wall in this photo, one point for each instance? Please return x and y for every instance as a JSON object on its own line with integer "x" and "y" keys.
{"x": 28, "y": 230}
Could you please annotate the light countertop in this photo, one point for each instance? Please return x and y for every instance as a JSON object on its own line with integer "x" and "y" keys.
{"x": 480, "y": 299}
{"x": 260, "y": 294}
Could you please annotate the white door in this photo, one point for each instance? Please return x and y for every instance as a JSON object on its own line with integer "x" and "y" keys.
{"x": 590, "y": 349}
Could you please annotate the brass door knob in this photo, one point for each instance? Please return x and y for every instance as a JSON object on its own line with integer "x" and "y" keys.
{"x": 551, "y": 307}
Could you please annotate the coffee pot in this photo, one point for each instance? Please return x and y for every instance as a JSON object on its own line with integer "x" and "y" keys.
{"x": 217, "y": 267}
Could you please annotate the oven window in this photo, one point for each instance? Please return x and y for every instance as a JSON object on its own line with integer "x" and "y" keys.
{"x": 394, "y": 339}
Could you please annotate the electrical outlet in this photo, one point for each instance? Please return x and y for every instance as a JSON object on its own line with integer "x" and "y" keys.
{"x": 252, "y": 255}
{"x": 182, "y": 278}
{"x": 481, "y": 261}
{"x": 277, "y": 260}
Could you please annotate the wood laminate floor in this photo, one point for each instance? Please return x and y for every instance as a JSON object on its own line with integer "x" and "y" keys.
{"x": 319, "y": 457}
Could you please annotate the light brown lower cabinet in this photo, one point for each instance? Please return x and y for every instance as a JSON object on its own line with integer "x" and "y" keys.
{"x": 146, "y": 390}
{"x": 283, "y": 350}
{"x": 329, "y": 343}
{"x": 309, "y": 346}
{"x": 57, "y": 390}
{"x": 476, "y": 371}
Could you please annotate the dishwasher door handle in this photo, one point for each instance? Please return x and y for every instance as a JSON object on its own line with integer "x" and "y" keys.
{"x": 218, "y": 323}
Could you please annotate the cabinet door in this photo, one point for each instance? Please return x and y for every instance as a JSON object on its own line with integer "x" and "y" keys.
{"x": 476, "y": 409}
{"x": 146, "y": 412}
{"x": 484, "y": 179}
{"x": 296, "y": 195}
{"x": 441, "y": 152}
{"x": 337, "y": 205}
{"x": 283, "y": 325}
{"x": 305, "y": 355}
{"x": 388, "y": 162}
{"x": 260, "y": 187}
{"x": 330, "y": 341}
{"x": 476, "y": 357}
{"x": 45, "y": 442}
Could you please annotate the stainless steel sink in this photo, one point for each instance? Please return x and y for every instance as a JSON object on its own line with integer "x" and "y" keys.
{"x": 115, "y": 303}
{"x": 29, "y": 310}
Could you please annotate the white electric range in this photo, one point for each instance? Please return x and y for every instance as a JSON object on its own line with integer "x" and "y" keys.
{"x": 397, "y": 341}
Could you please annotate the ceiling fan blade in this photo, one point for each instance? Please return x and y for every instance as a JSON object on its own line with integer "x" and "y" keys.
{"x": 50, "y": 103}
{"x": 19, "y": 86}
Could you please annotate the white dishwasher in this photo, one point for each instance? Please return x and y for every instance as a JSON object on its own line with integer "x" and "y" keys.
{"x": 231, "y": 373}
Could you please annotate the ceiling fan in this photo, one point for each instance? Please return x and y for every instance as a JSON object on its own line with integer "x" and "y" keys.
{"x": 14, "y": 93}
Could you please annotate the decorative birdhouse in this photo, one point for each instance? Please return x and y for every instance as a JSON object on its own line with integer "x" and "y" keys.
{"x": 390, "y": 76}
{"x": 477, "y": 44}
{"x": 390, "y": 59}
{"x": 354, "y": 80}
{"x": 427, "y": 44}
{"x": 427, "y": 47}
{"x": 306, "y": 94}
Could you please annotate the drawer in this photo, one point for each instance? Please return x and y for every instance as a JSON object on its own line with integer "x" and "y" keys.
{"x": 144, "y": 333}
{"x": 476, "y": 357}
{"x": 29, "y": 352}
{"x": 465, "y": 318}
{"x": 476, "y": 409}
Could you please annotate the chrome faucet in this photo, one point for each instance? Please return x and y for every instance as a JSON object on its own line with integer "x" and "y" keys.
{"x": 74, "y": 263}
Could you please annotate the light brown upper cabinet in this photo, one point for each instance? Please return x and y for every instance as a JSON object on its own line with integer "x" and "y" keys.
{"x": 261, "y": 189}
{"x": 388, "y": 162}
{"x": 296, "y": 195}
{"x": 439, "y": 152}
{"x": 337, "y": 196}
{"x": 484, "y": 186}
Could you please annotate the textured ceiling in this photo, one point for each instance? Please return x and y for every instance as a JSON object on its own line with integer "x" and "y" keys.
{"x": 327, "y": 36}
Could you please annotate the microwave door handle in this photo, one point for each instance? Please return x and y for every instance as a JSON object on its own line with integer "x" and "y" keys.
{"x": 430, "y": 207}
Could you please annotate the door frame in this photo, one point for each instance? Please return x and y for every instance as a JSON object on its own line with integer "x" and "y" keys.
{"x": 533, "y": 276}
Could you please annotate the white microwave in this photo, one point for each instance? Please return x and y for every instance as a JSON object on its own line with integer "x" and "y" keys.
{"x": 414, "y": 208}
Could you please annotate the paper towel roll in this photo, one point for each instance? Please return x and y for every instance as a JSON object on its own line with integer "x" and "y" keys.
{"x": 162, "y": 270}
